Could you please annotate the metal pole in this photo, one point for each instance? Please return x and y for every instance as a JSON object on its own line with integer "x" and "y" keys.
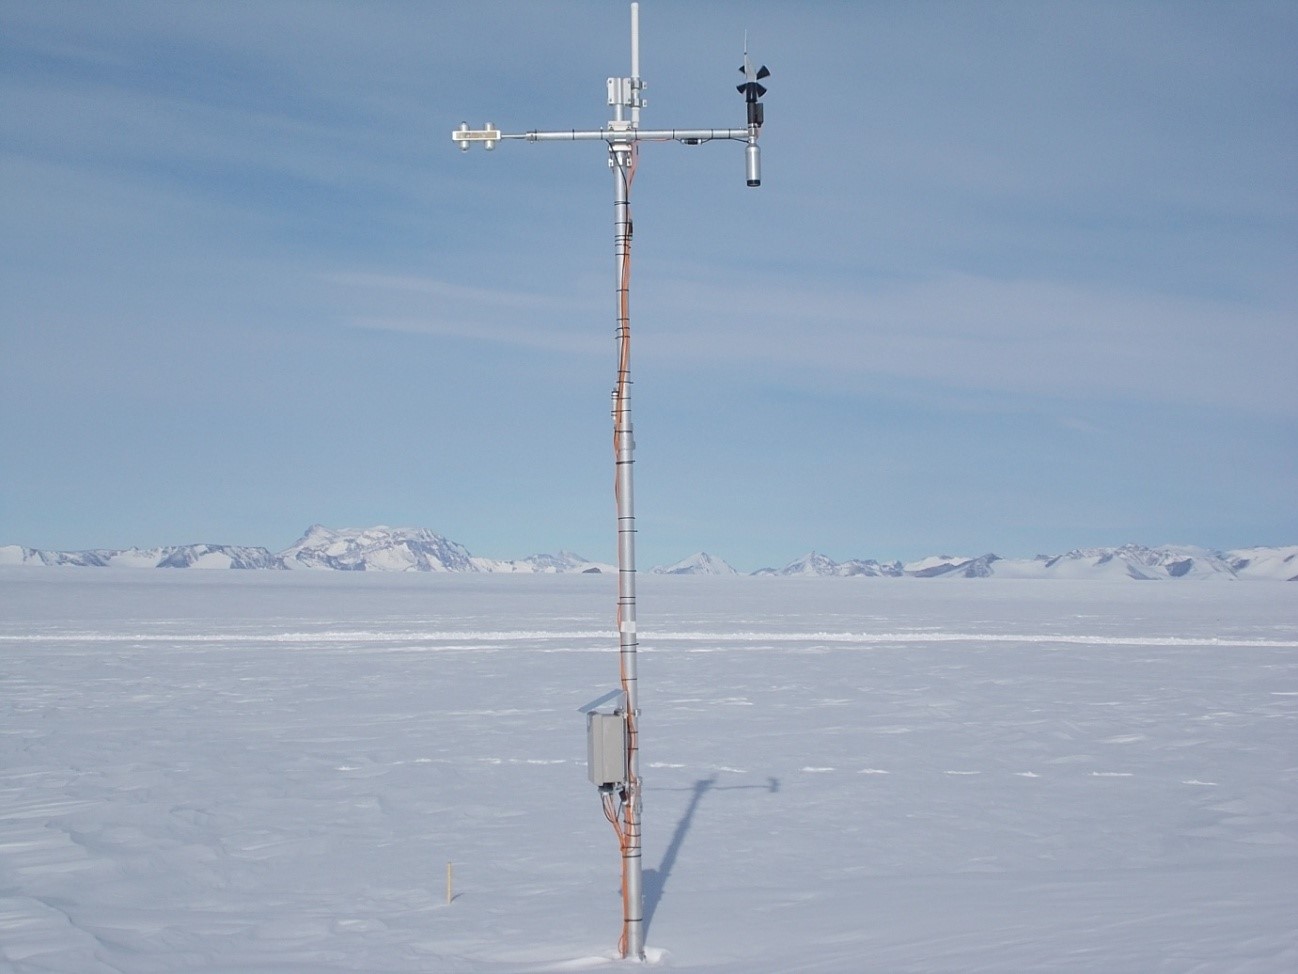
{"x": 635, "y": 65}
{"x": 621, "y": 156}
{"x": 623, "y": 134}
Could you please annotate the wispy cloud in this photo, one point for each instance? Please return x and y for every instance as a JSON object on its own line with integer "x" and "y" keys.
{"x": 1053, "y": 338}
{"x": 421, "y": 305}
{"x": 1019, "y": 336}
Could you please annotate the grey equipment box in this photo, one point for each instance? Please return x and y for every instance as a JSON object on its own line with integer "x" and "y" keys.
{"x": 606, "y": 748}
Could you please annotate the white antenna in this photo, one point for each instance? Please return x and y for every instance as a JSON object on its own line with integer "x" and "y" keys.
{"x": 618, "y": 773}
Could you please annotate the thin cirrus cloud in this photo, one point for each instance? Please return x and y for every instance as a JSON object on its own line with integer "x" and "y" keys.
{"x": 1018, "y": 336}
{"x": 1048, "y": 338}
{"x": 426, "y": 306}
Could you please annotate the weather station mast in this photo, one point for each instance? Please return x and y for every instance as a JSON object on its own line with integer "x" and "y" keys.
{"x": 613, "y": 739}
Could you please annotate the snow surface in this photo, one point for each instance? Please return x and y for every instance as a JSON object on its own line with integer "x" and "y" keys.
{"x": 269, "y": 771}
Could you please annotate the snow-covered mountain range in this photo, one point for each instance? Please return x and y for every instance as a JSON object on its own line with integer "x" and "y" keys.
{"x": 379, "y": 548}
{"x": 171, "y": 556}
{"x": 1128, "y": 561}
{"x": 701, "y": 563}
{"x": 383, "y": 548}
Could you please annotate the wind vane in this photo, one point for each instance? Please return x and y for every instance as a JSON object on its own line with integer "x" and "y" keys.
{"x": 613, "y": 739}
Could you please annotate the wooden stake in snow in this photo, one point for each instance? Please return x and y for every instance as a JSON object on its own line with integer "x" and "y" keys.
{"x": 449, "y": 885}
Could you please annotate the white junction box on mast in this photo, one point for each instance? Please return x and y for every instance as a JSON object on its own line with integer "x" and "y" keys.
{"x": 606, "y": 748}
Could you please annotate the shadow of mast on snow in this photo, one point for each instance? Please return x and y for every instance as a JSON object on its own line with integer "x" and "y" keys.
{"x": 655, "y": 880}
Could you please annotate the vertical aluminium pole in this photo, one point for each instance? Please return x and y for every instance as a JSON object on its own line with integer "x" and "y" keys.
{"x": 622, "y": 157}
{"x": 623, "y": 136}
{"x": 622, "y": 160}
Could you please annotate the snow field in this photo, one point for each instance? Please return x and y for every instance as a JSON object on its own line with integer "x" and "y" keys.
{"x": 270, "y": 773}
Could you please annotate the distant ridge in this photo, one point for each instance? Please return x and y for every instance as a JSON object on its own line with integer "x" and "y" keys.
{"x": 374, "y": 549}
{"x": 379, "y": 548}
{"x": 387, "y": 549}
{"x": 814, "y": 563}
{"x": 172, "y": 556}
{"x": 1129, "y": 561}
{"x": 699, "y": 564}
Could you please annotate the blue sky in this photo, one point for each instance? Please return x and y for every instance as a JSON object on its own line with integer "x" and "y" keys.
{"x": 1020, "y": 277}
